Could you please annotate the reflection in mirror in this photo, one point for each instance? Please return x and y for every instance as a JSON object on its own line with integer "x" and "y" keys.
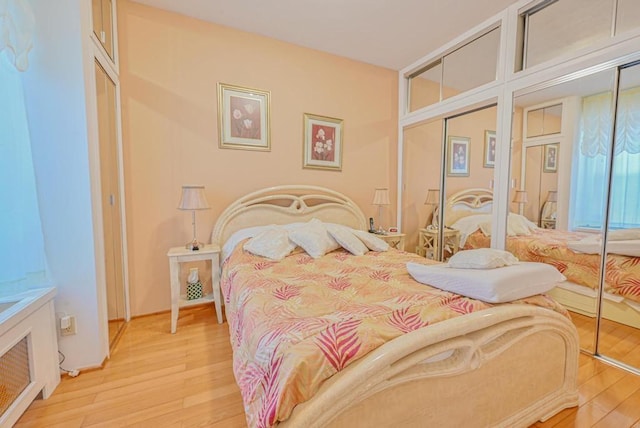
{"x": 627, "y": 15}
{"x": 544, "y": 121}
{"x": 422, "y": 154}
{"x": 620, "y": 323}
{"x": 471, "y": 147}
{"x": 549, "y": 34}
{"x": 449, "y": 75}
{"x": 565, "y": 194}
{"x": 424, "y": 86}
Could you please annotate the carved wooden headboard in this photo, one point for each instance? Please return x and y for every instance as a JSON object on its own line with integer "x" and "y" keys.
{"x": 287, "y": 204}
{"x": 468, "y": 202}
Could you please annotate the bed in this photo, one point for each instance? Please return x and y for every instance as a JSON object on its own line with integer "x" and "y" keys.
{"x": 621, "y": 301}
{"x": 517, "y": 363}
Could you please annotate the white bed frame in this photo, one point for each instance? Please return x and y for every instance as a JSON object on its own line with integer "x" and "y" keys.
{"x": 574, "y": 297}
{"x": 508, "y": 366}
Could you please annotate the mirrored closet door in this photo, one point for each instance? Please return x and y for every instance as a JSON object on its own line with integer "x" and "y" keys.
{"x": 558, "y": 192}
{"x": 619, "y": 327}
{"x": 422, "y": 157}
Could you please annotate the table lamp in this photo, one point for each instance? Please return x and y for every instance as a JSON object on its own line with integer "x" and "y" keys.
{"x": 380, "y": 198}
{"x": 433, "y": 199}
{"x": 193, "y": 198}
{"x": 520, "y": 198}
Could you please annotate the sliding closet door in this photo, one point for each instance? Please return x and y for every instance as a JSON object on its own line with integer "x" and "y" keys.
{"x": 421, "y": 172}
{"x": 619, "y": 332}
{"x": 112, "y": 221}
{"x": 561, "y": 143}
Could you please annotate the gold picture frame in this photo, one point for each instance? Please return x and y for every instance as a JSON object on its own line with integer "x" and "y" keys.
{"x": 243, "y": 118}
{"x": 322, "y": 141}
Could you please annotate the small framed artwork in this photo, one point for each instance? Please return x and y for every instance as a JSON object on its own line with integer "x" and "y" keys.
{"x": 243, "y": 118}
{"x": 489, "y": 149}
{"x": 322, "y": 142}
{"x": 458, "y": 160}
{"x": 550, "y": 158}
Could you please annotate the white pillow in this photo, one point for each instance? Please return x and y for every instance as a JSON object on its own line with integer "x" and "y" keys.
{"x": 345, "y": 237}
{"x": 371, "y": 241}
{"x": 313, "y": 238}
{"x": 482, "y": 258}
{"x": 506, "y": 284}
{"x": 516, "y": 225}
{"x": 273, "y": 244}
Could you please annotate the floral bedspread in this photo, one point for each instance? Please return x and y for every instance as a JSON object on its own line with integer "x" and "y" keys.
{"x": 297, "y": 322}
{"x": 622, "y": 276}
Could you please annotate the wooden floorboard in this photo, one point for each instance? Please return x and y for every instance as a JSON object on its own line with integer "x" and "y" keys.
{"x": 160, "y": 380}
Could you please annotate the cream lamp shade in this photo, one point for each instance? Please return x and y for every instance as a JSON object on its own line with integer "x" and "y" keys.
{"x": 520, "y": 197}
{"x": 193, "y": 198}
{"x": 433, "y": 197}
{"x": 552, "y": 196}
{"x": 380, "y": 198}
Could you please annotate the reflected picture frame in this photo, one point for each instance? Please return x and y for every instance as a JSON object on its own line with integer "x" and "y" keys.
{"x": 243, "y": 118}
{"x": 322, "y": 142}
{"x": 489, "y": 149}
{"x": 458, "y": 156}
{"x": 550, "y": 163}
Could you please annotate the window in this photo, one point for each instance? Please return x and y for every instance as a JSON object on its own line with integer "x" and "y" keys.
{"x": 594, "y": 143}
{"x": 22, "y": 261}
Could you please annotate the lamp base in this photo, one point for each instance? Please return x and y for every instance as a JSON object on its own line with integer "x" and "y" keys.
{"x": 194, "y": 245}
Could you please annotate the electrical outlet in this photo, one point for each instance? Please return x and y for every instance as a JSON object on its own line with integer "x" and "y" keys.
{"x": 68, "y": 325}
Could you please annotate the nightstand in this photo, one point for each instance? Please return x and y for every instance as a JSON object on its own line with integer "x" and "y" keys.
{"x": 178, "y": 255}
{"x": 395, "y": 240}
{"x": 428, "y": 243}
{"x": 548, "y": 223}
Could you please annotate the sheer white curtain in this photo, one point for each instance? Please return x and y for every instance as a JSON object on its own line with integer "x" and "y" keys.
{"x": 590, "y": 172}
{"x": 22, "y": 259}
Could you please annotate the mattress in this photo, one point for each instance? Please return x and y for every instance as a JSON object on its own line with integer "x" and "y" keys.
{"x": 297, "y": 322}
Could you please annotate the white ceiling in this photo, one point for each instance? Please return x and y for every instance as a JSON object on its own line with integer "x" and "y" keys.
{"x": 387, "y": 33}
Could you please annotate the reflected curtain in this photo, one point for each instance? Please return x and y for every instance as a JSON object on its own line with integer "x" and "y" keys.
{"x": 590, "y": 173}
{"x": 22, "y": 260}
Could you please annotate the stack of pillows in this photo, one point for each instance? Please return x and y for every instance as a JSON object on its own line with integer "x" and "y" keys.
{"x": 315, "y": 237}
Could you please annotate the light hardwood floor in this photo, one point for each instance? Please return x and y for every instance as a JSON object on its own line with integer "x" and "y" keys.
{"x": 156, "y": 379}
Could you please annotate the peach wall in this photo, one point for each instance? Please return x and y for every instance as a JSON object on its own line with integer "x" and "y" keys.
{"x": 170, "y": 65}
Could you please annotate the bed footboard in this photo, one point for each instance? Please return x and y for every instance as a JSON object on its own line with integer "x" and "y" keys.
{"x": 505, "y": 366}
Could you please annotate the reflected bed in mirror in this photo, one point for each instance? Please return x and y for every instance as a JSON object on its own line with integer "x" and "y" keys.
{"x": 558, "y": 248}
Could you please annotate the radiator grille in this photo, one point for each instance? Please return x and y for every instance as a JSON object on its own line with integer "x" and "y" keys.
{"x": 14, "y": 374}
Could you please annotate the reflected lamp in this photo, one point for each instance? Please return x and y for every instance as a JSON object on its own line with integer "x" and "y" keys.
{"x": 433, "y": 199}
{"x": 380, "y": 198}
{"x": 193, "y": 198}
{"x": 520, "y": 198}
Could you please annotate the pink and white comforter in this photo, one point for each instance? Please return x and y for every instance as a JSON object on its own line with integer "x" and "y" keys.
{"x": 297, "y": 322}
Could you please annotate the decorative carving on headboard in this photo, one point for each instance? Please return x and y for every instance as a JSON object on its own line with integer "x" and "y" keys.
{"x": 287, "y": 204}
{"x": 467, "y": 202}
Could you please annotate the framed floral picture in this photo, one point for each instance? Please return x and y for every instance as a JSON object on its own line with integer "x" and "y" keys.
{"x": 550, "y": 158}
{"x": 458, "y": 159}
{"x": 489, "y": 149}
{"x": 243, "y": 118}
{"x": 322, "y": 142}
